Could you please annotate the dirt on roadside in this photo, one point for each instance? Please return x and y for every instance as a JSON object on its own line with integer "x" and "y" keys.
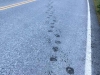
{"x": 97, "y": 6}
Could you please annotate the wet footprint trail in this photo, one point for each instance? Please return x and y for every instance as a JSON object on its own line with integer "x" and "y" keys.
{"x": 51, "y": 21}
{"x": 56, "y": 33}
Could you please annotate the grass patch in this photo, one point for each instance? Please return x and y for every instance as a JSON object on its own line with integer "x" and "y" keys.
{"x": 97, "y": 6}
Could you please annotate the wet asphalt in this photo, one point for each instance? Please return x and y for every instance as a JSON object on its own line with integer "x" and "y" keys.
{"x": 45, "y": 37}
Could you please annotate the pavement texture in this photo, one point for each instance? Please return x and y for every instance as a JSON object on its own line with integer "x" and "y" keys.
{"x": 7, "y": 2}
{"x": 45, "y": 37}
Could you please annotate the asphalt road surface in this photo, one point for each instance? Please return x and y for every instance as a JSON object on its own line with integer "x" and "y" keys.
{"x": 43, "y": 37}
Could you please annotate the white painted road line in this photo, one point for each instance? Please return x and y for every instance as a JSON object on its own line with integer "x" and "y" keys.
{"x": 88, "y": 65}
{"x": 16, "y": 4}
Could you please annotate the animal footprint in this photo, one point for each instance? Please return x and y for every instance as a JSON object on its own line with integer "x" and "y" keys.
{"x": 50, "y": 73}
{"x": 53, "y": 58}
{"x": 70, "y": 70}
{"x": 54, "y": 20}
{"x": 55, "y": 49}
{"x": 58, "y": 42}
{"x": 50, "y": 15}
{"x": 52, "y": 26}
{"x": 50, "y": 31}
{"x": 52, "y": 23}
{"x": 50, "y": 7}
{"x": 57, "y": 35}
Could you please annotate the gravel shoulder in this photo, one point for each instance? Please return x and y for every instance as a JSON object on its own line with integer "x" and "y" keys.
{"x": 95, "y": 40}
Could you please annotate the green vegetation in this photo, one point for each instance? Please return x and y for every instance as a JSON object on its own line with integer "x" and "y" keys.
{"x": 97, "y": 6}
